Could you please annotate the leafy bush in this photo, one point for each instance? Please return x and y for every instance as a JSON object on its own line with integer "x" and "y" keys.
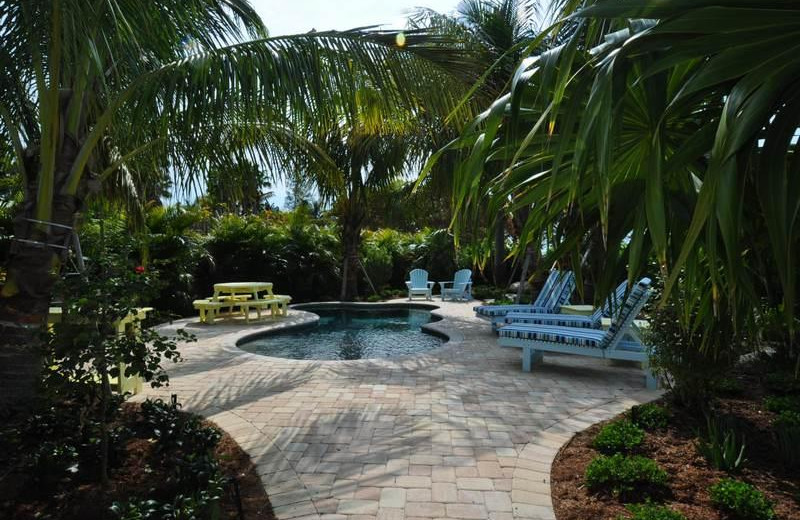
{"x": 295, "y": 252}
{"x": 741, "y": 501}
{"x": 721, "y": 446}
{"x": 649, "y": 511}
{"x": 787, "y": 437}
{"x": 625, "y": 476}
{"x": 618, "y": 437}
{"x": 782, "y": 383}
{"x": 489, "y": 292}
{"x": 782, "y": 403}
{"x": 678, "y": 359}
{"x": 727, "y": 386}
{"x": 649, "y": 416}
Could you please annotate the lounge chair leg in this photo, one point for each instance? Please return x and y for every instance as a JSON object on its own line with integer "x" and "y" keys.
{"x": 530, "y": 357}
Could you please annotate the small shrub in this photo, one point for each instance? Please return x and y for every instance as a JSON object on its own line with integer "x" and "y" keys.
{"x": 618, "y": 437}
{"x": 625, "y": 476}
{"x": 727, "y": 386}
{"x": 782, "y": 383}
{"x": 782, "y": 403}
{"x": 649, "y": 416}
{"x": 720, "y": 445}
{"x": 741, "y": 501}
{"x": 787, "y": 438}
{"x": 649, "y": 511}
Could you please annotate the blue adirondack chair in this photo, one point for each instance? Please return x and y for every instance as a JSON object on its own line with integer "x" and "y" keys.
{"x": 460, "y": 288}
{"x": 593, "y": 321}
{"x": 620, "y": 341}
{"x": 418, "y": 285}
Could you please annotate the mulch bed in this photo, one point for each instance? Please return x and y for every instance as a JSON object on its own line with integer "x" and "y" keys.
{"x": 137, "y": 473}
{"x": 690, "y": 475}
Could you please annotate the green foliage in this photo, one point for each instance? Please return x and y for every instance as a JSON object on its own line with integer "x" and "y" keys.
{"x": 295, "y": 252}
{"x": 629, "y": 477}
{"x": 782, "y": 382}
{"x": 787, "y": 437}
{"x": 649, "y": 511}
{"x": 618, "y": 437}
{"x": 649, "y": 416}
{"x": 741, "y": 501}
{"x": 490, "y": 292}
{"x": 782, "y": 403}
{"x": 727, "y": 386}
{"x": 677, "y": 358}
{"x": 721, "y": 446}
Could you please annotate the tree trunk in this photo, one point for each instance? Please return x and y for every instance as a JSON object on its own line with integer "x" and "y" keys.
{"x": 499, "y": 268}
{"x": 351, "y": 246}
{"x": 32, "y": 270}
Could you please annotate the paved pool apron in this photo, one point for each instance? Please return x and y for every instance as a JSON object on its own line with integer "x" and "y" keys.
{"x": 459, "y": 432}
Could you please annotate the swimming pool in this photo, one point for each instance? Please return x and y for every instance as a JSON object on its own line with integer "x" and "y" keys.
{"x": 345, "y": 333}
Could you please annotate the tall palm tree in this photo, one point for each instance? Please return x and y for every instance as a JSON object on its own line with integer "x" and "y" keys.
{"x": 499, "y": 32}
{"x": 667, "y": 131}
{"x": 91, "y": 87}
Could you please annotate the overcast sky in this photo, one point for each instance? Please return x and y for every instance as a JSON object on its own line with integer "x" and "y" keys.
{"x": 299, "y": 16}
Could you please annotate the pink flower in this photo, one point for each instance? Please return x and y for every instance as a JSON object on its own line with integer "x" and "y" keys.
{"x": 139, "y": 269}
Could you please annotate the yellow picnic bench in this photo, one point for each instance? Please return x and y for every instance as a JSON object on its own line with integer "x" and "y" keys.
{"x": 130, "y": 324}
{"x": 245, "y": 296}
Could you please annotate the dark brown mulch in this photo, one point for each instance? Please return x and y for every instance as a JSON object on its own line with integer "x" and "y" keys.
{"x": 138, "y": 473}
{"x": 690, "y": 475}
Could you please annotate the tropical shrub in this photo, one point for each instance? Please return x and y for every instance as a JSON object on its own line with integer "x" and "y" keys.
{"x": 677, "y": 358}
{"x": 299, "y": 255}
{"x": 629, "y": 477}
{"x": 618, "y": 437}
{"x": 782, "y": 382}
{"x": 721, "y": 446}
{"x": 782, "y": 403}
{"x": 649, "y": 416}
{"x": 741, "y": 501}
{"x": 727, "y": 386}
{"x": 650, "y": 511}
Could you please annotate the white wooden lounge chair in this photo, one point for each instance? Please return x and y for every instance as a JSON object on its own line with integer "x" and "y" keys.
{"x": 418, "y": 285}
{"x": 460, "y": 287}
{"x": 620, "y": 341}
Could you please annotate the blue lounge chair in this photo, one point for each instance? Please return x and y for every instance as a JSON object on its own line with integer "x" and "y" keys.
{"x": 418, "y": 285}
{"x": 550, "y": 303}
{"x": 460, "y": 288}
{"x": 534, "y": 340}
{"x": 593, "y": 321}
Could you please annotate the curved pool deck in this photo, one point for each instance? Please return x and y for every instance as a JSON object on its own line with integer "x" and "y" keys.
{"x": 457, "y": 432}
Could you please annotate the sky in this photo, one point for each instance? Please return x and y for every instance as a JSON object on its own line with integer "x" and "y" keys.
{"x": 299, "y": 16}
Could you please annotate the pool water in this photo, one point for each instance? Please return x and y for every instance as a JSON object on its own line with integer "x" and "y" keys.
{"x": 350, "y": 333}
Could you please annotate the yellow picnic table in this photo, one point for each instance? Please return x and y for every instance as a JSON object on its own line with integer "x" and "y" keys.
{"x": 130, "y": 324}
{"x": 245, "y": 295}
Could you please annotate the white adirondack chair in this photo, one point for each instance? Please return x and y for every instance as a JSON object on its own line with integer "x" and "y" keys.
{"x": 460, "y": 288}
{"x": 418, "y": 285}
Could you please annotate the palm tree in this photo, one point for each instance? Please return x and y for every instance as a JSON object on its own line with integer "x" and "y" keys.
{"x": 90, "y": 88}
{"x": 666, "y": 131}
{"x": 499, "y": 32}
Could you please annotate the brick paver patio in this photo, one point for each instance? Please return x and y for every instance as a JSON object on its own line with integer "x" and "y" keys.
{"x": 460, "y": 432}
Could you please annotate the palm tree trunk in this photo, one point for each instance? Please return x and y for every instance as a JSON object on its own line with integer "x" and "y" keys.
{"x": 499, "y": 268}
{"x": 32, "y": 270}
{"x": 351, "y": 245}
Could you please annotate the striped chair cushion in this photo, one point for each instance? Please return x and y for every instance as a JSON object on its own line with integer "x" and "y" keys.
{"x": 581, "y": 337}
{"x": 628, "y": 310}
{"x": 561, "y": 320}
{"x": 502, "y": 310}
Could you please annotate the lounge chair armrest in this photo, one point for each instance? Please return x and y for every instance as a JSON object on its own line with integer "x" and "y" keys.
{"x": 443, "y": 284}
{"x": 431, "y": 284}
{"x": 408, "y": 284}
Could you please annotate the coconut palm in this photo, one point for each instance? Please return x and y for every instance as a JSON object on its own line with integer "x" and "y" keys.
{"x": 500, "y": 33}
{"x": 94, "y": 90}
{"x": 664, "y": 130}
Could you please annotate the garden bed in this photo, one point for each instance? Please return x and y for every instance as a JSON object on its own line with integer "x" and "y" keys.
{"x": 139, "y": 472}
{"x": 689, "y": 474}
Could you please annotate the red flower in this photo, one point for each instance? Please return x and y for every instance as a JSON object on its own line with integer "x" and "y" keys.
{"x": 139, "y": 269}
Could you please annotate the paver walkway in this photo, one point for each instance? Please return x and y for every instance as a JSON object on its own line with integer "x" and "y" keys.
{"x": 460, "y": 432}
